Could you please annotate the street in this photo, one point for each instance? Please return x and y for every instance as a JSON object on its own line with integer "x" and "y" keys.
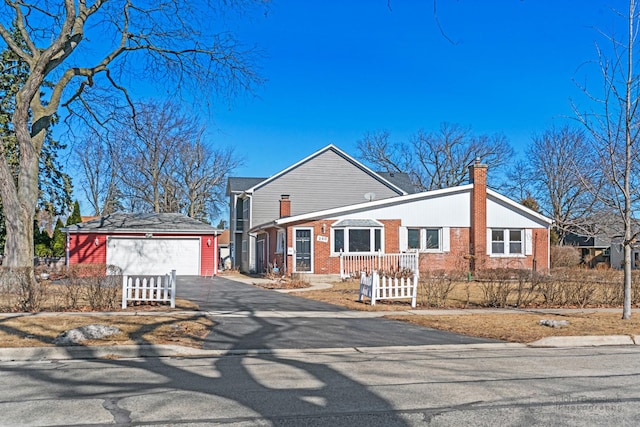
{"x": 375, "y": 387}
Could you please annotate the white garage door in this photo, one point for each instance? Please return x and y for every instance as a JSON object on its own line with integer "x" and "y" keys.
{"x": 154, "y": 255}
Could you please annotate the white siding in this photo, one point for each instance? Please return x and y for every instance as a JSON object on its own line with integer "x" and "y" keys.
{"x": 500, "y": 215}
{"x": 451, "y": 210}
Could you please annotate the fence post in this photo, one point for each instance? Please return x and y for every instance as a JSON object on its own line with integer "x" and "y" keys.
{"x": 124, "y": 291}
{"x": 414, "y": 289}
{"x": 173, "y": 289}
{"x": 375, "y": 286}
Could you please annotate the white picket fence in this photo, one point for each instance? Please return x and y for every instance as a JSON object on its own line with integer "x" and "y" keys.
{"x": 351, "y": 265}
{"x": 149, "y": 288}
{"x": 377, "y": 288}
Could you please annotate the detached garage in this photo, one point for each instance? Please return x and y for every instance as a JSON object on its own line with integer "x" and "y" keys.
{"x": 145, "y": 244}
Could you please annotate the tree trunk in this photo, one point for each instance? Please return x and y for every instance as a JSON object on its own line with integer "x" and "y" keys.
{"x": 626, "y": 305}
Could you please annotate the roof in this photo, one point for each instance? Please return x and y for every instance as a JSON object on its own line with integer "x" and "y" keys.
{"x": 224, "y": 238}
{"x": 357, "y": 223}
{"x": 582, "y": 241}
{"x": 339, "y": 152}
{"x": 143, "y": 223}
{"x": 399, "y": 179}
{"x": 241, "y": 184}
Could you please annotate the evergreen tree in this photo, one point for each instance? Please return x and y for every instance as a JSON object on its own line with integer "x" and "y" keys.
{"x": 41, "y": 241}
{"x": 75, "y": 216}
{"x": 59, "y": 240}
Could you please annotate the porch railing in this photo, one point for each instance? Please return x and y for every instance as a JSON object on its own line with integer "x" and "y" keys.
{"x": 352, "y": 265}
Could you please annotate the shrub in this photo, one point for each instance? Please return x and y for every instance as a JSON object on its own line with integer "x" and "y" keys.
{"x": 97, "y": 284}
{"x": 434, "y": 287}
{"x": 565, "y": 256}
{"x": 496, "y": 285}
{"x": 20, "y": 282}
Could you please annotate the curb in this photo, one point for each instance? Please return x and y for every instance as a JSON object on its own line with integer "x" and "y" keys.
{"x": 585, "y": 341}
{"x": 43, "y": 354}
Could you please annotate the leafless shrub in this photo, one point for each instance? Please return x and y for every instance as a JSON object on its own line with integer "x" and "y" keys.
{"x": 564, "y": 256}
{"x": 496, "y": 285}
{"x": 28, "y": 293}
{"x": 96, "y": 284}
{"x": 611, "y": 293}
{"x": 400, "y": 273}
{"x": 526, "y": 290}
{"x": 551, "y": 290}
{"x": 434, "y": 287}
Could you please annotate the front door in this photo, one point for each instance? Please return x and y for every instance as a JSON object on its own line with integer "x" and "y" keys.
{"x": 304, "y": 250}
{"x": 260, "y": 257}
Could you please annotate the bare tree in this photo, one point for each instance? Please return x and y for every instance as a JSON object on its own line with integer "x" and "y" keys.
{"x": 614, "y": 127}
{"x": 148, "y": 141}
{"x": 556, "y": 177}
{"x": 156, "y": 161}
{"x": 80, "y": 47}
{"x": 435, "y": 159}
{"x": 201, "y": 176}
{"x": 97, "y": 162}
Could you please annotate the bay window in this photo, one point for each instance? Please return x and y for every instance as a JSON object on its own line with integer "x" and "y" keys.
{"x": 357, "y": 236}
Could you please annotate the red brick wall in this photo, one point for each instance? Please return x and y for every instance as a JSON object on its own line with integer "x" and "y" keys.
{"x": 457, "y": 259}
{"x": 478, "y": 236}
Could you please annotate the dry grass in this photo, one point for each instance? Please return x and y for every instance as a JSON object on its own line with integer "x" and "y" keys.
{"x": 525, "y": 327}
{"x": 41, "y": 330}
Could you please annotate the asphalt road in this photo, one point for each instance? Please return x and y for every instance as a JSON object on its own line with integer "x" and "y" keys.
{"x": 248, "y": 317}
{"x": 486, "y": 387}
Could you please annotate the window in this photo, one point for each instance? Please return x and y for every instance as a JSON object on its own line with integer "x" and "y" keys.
{"x": 352, "y": 239}
{"x": 360, "y": 240}
{"x": 433, "y": 239}
{"x": 338, "y": 240}
{"x": 424, "y": 239}
{"x": 497, "y": 241}
{"x": 280, "y": 242}
{"x": 515, "y": 241}
{"x": 413, "y": 238}
{"x": 507, "y": 242}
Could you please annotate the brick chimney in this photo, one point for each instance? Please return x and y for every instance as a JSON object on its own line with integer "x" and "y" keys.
{"x": 478, "y": 232}
{"x": 285, "y": 206}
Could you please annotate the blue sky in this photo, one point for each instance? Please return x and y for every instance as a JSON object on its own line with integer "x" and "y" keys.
{"x": 335, "y": 70}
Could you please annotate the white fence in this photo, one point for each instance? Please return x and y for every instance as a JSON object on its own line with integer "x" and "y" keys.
{"x": 149, "y": 288}
{"x": 376, "y": 288}
{"x": 351, "y": 265}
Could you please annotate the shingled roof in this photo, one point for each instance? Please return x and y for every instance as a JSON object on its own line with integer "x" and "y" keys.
{"x": 143, "y": 223}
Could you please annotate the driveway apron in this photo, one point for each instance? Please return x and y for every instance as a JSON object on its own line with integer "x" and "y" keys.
{"x": 251, "y": 318}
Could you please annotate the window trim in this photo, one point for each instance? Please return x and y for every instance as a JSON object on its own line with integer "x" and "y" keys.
{"x": 506, "y": 235}
{"x": 423, "y": 240}
{"x": 372, "y": 239}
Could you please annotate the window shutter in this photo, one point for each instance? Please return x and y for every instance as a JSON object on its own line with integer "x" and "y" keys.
{"x": 403, "y": 239}
{"x": 489, "y": 241}
{"x": 528, "y": 241}
{"x": 446, "y": 239}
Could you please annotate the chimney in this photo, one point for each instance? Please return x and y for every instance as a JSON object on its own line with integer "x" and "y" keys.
{"x": 285, "y": 206}
{"x": 478, "y": 232}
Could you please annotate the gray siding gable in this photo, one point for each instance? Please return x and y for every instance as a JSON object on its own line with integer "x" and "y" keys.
{"x": 324, "y": 181}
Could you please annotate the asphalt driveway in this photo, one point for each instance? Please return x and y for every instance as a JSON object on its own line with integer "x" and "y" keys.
{"x": 252, "y": 318}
